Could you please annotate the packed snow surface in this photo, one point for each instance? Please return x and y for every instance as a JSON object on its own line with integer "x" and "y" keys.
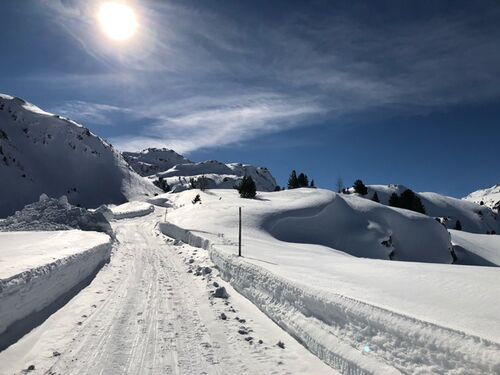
{"x": 476, "y": 249}
{"x": 45, "y": 153}
{"x": 357, "y": 314}
{"x": 149, "y": 311}
{"x": 473, "y": 217}
{"x": 38, "y": 267}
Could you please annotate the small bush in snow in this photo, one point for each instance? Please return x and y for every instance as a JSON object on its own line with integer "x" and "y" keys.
{"x": 196, "y": 199}
{"x": 247, "y": 188}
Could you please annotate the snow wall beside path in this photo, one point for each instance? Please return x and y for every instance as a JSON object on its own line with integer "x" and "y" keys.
{"x": 350, "y": 335}
{"x": 27, "y": 297}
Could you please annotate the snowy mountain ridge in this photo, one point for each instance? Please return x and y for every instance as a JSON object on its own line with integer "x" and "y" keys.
{"x": 489, "y": 197}
{"x": 178, "y": 171}
{"x": 45, "y": 153}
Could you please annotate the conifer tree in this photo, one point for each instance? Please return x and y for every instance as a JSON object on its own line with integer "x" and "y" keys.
{"x": 394, "y": 200}
{"x": 458, "y": 225}
{"x": 312, "y": 184}
{"x": 360, "y": 188}
{"x": 375, "y": 197}
{"x": 247, "y": 188}
{"x": 293, "y": 182}
{"x": 302, "y": 180}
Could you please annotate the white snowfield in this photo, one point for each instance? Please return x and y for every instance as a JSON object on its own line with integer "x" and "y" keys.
{"x": 358, "y": 315}
{"x": 132, "y": 209}
{"x": 473, "y": 217}
{"x": 36, "y": 268}
{"x": 490, "y": 197}
{"x": 146, "y": 312}
{"x": 477, "y": 249}
{"x": 45, "y": 153}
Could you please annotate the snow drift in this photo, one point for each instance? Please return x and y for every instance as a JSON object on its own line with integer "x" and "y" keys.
{"x": 132, "y": 209}
{"x": 476, "y": 249}
{"x": 45, "y": 153}
{"x": 40, "y": 267}
{"x": 359, "y": 315}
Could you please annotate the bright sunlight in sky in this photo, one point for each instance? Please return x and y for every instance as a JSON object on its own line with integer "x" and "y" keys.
{"x": 117, "y": 20}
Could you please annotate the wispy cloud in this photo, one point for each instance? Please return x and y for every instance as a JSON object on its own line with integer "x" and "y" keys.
{"x": 100, "y": 114}
{"x": 196, "y": 78}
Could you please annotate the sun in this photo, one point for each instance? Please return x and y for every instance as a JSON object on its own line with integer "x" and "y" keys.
{"x": 117, "y": 20}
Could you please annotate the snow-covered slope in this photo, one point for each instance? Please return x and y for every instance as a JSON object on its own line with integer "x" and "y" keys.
{"x": 218, "y": 175}
{"x": 476, "y": 249}
{"x": 45, "y": 153}
{"x": 490, "y": 197}
{"x": 473, "y": 217}
{"x": 153, "y": 160}
{"x": 359, "y": 315}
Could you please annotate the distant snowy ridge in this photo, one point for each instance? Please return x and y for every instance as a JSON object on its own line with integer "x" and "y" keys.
{"x": 45, "y": 153}
{"x": 153, "y": 160}
{"x": 473, "y": 217}
{"x": 178, "y": 171}
{"x": 489, "y": 197}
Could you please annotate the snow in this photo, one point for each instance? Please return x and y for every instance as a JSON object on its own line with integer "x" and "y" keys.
{"x": 44, "y": 153}
{"x": 153, "y": 160}
{"x": 218, "y": 175}
{"x": 476, "y": 249}
{"x": 38, "y": 267}
{"x": 473, "y": 217}
{"x": 56, "y": 214}
{"x": 145, "y": 314}
{"x": 490, "y": 197}
{"x": 132, "y": 209}
{"x": 413, "y": 317}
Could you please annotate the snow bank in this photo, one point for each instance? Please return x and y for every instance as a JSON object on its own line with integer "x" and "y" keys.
{"x": 132, "y": 209}
{"x": 358, "y": 315}
{"x": 476, "y": 249}
{"x": 36, "y": 268}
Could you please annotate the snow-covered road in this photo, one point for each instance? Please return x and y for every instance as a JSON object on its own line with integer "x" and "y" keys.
{"x": 145, "y": 314}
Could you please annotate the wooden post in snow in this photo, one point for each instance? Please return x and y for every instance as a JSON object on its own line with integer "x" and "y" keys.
{"x": 239, "y": 237}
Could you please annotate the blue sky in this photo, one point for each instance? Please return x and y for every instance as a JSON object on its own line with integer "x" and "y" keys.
{"x": 386, "y": 91}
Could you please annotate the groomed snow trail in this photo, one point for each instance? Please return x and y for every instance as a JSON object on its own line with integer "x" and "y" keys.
{"x": 145, "y": 314}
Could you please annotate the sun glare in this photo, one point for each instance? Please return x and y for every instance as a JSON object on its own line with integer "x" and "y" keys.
{"x": 117, "y": 20}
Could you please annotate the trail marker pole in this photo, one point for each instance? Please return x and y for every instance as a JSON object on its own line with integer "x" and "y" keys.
{"x": 239, "y": 236}
{"x": 165, "y": 218}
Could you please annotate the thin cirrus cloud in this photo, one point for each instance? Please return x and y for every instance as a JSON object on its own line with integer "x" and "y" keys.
{"x": 224, "y": 82}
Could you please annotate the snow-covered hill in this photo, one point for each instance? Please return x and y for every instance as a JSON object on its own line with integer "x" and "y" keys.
{"x": 359, "y": 315}
{"x": 45, "y": 153}
{"x": 489, "y": 197}
{"x": 218, "y": 175}
{"x": 473, "y": 217}
{"x": 153, "y": 160}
